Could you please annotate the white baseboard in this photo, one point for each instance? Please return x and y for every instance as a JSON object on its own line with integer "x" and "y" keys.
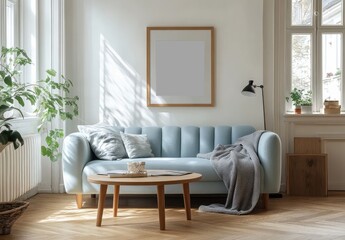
{"x": 62, "y": 188}
{"x": 44, "y": 188}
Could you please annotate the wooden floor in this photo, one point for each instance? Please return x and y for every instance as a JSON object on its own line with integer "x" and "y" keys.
{"x": 55, "y": 216}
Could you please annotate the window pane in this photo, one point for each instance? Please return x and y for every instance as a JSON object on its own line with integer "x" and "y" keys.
{"x": 332, "y": 12}
{"x": 331, "y": 66}
{"x": 302, "y": 12}
{"x": 9, "y": 24}
{"x": 301, "y": 70}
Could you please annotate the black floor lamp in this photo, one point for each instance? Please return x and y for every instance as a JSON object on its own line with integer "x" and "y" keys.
{"x": 249, "y": 90}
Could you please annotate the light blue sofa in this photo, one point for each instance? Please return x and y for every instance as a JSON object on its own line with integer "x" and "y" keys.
{"x": 174, "y": 148}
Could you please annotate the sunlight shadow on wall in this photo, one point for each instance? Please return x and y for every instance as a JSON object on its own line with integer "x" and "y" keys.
{"x": 123, "y": 92}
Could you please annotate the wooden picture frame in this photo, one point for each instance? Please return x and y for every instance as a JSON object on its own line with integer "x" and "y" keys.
{"x": 180, "y": 66}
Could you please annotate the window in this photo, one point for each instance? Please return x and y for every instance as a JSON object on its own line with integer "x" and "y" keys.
{"x": 315, "y": 40}
{"x": 19, "y": 29}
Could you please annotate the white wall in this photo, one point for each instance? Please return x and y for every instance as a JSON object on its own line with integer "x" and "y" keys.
{"x": 268, "y": 64}
{"x": 106, "y": 46}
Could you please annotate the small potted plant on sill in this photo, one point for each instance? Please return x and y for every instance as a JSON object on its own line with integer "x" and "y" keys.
{"x": 49, "y": 99}
{"x": 306, "y": 103}
{"x": 296, "y": 99}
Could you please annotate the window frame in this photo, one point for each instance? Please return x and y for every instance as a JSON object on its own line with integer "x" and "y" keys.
{"x": 16, "y": 20}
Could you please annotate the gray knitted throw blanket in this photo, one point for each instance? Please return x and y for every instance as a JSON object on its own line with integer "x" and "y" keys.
{"x": 238, "y": 165}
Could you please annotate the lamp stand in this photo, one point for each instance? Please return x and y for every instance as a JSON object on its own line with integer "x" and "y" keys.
{"x": 263, "y": 104}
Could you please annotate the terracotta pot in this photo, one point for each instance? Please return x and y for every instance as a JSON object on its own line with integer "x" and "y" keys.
{"x": 298, "y": 110}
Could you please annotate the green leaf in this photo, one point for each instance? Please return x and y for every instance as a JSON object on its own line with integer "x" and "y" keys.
{"x": 31, "y": 98}
{"x": 59, "y": 101}
{"x": 4, "y": 137}
{"x": 20, "y": 100}
{"x": 2, "y": 74}
{"x": 48, "y": 140}
{"x": 37, "y": 91}
{"x": 15, "y": 138}
{"x": 8, "y": 81}
{"x": 3, "y": 51}
{"x": 51, "y": 72}
{"x": 44, "y": 150}
{"x": 3, "y": 108}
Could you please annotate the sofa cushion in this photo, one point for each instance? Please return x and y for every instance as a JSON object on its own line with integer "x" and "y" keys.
{"x": 198, "y": 165}
{"x": 137, "y": 145}
{"x": 105, "y": 141}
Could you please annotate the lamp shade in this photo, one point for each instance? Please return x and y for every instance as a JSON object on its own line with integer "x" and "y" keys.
{"x": 249, "y": 89}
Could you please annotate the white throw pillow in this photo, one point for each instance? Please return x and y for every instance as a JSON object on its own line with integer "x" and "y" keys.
{"x": 136, "y": 145}
{"x": 105, "y": 141}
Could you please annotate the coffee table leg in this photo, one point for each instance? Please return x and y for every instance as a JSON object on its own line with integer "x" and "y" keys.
{"x": 116, "y": 199}
{"x": 102, "y": 194}
{"x": 186, "y": 197}
{"x": 161, "y": 206}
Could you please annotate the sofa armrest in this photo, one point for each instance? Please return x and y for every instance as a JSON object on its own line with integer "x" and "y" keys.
{"x": 270, "y": 154}
{"x": 76, "y": 152}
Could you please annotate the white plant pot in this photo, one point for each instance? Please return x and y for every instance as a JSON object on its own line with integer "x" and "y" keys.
{"x": 307, "y": 109}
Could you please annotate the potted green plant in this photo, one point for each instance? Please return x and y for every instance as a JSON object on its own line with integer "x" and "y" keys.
{"x": 306, "y": 103}
{"x": 296, "y": 99}
{"x": 49, "y": 99}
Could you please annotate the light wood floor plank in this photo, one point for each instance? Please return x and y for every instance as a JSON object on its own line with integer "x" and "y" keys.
{"x": 55, "y": 216}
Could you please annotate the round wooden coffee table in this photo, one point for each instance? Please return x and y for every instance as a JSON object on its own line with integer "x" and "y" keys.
{"x": 159, "y": 181}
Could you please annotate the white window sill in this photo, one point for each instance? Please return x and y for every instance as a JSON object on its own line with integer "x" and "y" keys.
{"x": 25, "y": 126}
{"x": 315, "y": 118}
{"x": 314, "y": 114}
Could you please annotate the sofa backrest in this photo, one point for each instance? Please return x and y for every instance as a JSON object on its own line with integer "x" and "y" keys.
{"x": 188, "y": 141}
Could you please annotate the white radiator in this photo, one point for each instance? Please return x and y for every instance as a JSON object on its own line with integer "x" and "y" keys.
{"x": 20, "y": 169}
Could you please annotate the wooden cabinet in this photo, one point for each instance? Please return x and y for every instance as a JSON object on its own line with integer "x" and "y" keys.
{"x": 307, "y": 174}
{"x": 307, "y": 145}
{"x": 306, "y": 169}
